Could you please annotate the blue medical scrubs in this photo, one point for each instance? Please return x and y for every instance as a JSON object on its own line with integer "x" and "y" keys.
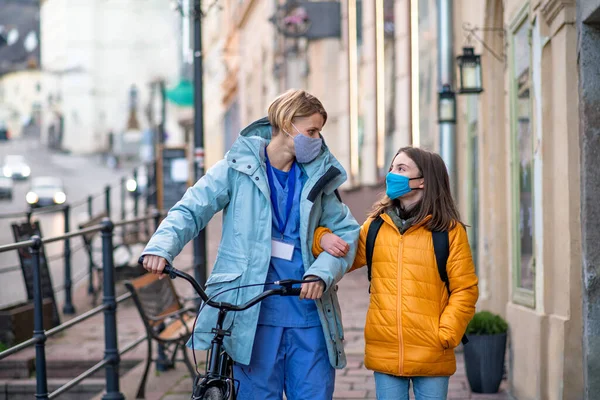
{"x": 289, "y": 353}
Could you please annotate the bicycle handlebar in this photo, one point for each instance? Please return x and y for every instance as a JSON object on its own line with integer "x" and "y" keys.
{"x": 285, "y": 289}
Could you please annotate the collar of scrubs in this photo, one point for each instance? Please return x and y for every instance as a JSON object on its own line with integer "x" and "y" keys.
{"x": 291, "y": 188}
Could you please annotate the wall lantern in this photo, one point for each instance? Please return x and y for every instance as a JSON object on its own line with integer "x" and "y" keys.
{"x": 446, "y": 105}
{"x": 469, "y": 64}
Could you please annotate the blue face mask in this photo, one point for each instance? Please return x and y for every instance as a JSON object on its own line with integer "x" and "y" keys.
{"x": 398, "y": 185}
{"x": 307, "y": 148}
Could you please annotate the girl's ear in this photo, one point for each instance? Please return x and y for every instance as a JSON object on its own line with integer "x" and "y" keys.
{"x": 422, "y": 183}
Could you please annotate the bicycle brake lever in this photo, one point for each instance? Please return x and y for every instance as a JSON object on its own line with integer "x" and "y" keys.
{"x": 169, "y": 270}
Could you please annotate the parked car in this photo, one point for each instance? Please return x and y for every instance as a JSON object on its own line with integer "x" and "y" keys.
{"x": 6, "y": 188}
{"x": 4, "y": 133}
{"x": 15, "y": 167}
{"x": 46, "y": 191}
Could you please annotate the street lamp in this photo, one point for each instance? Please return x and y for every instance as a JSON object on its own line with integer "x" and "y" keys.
{"x": 446, "y": 105}
{"x": 133, "y": 97}
{"x": 469, "y": 64}
{"x": 133, "y": 123}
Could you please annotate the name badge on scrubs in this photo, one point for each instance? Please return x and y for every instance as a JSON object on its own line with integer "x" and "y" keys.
{"x": 282, "y": 250}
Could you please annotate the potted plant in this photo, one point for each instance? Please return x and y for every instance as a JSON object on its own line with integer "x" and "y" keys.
{"x": 485, "y": 352}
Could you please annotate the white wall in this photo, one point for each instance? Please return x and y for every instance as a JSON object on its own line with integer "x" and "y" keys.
{"x": 18, "y": 95}
{"x": 98, "y": 49}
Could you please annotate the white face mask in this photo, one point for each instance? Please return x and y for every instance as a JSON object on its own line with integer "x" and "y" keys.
{"x": 307, "y": 148}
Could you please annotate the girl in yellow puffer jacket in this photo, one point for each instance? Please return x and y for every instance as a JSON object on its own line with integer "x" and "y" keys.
{"x": 414, "y": 321}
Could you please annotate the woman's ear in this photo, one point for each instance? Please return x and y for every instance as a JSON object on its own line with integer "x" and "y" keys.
{"x": 421, "y": 183}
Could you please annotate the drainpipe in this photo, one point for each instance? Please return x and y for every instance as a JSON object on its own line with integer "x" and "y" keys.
{"x": 446, "y": 77}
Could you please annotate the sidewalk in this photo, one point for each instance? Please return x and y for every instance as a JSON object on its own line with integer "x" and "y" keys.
{"x": 355, "y": 381}
{"x": 85, "y": 343}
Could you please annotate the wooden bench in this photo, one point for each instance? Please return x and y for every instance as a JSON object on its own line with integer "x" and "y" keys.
{"x": 125, "y": 256}
{"x": 166, "y": 320}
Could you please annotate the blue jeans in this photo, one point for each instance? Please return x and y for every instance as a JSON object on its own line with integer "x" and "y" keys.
{"x": 390, "y": 387}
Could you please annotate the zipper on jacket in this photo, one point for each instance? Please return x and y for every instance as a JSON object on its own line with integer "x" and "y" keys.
{"x": 399, "y": 306}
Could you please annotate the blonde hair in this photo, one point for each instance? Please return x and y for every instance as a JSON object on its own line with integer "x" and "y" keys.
{"x": 294, "y": 104}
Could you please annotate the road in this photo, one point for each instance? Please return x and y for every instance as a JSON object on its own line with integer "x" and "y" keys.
{"x": 82, "y": 176}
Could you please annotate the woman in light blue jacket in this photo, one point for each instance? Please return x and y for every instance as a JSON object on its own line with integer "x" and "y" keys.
{"x": 276, "y": 185}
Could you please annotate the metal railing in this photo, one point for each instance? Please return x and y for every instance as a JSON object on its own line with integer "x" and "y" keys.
{"x": 112, "y": 354}
{"x": 66, "y": 209}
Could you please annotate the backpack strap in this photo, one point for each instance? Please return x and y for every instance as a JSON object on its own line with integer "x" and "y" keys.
{"x": 441, "y": 247}
{"x": 371, "y": 236}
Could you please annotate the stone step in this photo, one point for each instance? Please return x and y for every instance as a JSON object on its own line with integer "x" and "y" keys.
{"x": 25, "y": 389}
{"x": 61, "y": 369}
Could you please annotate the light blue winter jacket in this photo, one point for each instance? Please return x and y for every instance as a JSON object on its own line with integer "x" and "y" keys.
{"x": 238, "y": 185}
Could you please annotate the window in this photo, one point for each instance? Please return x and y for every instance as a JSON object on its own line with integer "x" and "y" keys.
{"x": 522, "y": 163}
{"x": 472, "y": 184}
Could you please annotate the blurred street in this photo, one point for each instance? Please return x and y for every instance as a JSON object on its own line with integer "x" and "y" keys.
{"x": 82, "y": 176}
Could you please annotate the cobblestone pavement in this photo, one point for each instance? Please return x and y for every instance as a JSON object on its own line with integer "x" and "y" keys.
{"x": 86, "y": 342}
{"x": 355, "y": 381}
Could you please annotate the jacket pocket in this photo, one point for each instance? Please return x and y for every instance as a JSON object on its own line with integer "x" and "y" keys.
{"x": 225, "y": 276}
{"x": 228, "y": 262}
{"x": 220, "y": 287}
{"x": 222, "y": 278}
{"x": 443, "y": 343}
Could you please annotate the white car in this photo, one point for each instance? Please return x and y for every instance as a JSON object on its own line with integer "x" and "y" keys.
{"x": 15, "y": 167}
{"x": 46, "y": 191}
{"x": 6, "y": 188}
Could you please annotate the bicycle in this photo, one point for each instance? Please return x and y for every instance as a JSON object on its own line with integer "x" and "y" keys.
{"x": 215, "y": 383}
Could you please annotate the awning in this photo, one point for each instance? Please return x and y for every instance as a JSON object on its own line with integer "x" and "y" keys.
{"x": 182, "y": 94}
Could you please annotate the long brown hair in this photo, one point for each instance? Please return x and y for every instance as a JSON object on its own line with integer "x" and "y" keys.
{"x": 437, "y": 199}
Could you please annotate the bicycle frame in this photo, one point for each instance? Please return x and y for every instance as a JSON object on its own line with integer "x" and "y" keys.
{"x": 218, "y": 365}
{"x": 219, "y": 361}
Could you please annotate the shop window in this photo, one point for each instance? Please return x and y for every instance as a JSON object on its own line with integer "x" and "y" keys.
{"x": 522, "y": 178}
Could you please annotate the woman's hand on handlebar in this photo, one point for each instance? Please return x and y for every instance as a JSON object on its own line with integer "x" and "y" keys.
{"x": 155, "y": 264}
{"x": 312, "y": 290}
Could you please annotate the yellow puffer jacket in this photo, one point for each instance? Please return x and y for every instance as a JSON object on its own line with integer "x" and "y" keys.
{"x": 412, "y": 327}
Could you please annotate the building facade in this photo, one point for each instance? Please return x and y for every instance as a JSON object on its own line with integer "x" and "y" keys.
{"x": 588, "y": 54}
{"x": 522, "y": 133}
{"x": 524, "y": 181}
{"x": 93, "y": 54}
{"x": 20, "y": 75}
{"x": 250, "y": 60}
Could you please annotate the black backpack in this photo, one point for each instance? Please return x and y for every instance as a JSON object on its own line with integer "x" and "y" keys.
{"x": 441, "y": 247}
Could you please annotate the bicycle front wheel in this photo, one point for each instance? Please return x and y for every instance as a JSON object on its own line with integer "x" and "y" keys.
{"x": 213, "y": 393}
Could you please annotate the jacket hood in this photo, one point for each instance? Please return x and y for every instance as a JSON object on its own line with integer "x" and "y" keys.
{"x": 248, "y": 153}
